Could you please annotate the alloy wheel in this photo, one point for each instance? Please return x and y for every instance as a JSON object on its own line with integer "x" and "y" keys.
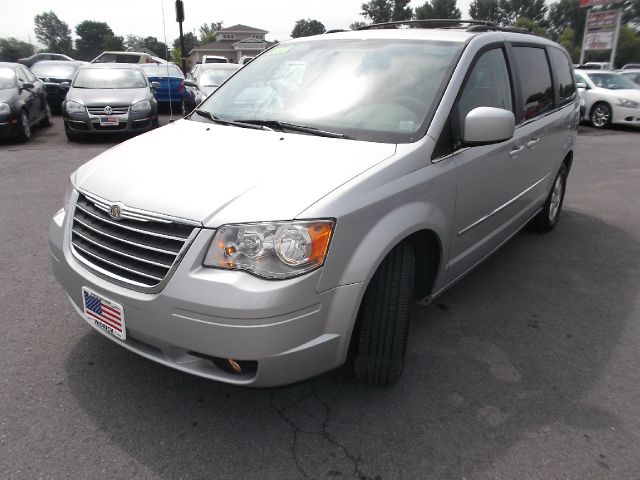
{"x": 600, "y": 116}
{"x": 556, "y": 198}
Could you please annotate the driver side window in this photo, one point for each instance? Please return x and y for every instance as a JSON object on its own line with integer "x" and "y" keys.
{"x": 488, "y": 85}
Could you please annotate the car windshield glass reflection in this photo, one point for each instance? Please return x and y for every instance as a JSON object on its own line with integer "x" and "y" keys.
{"x": 382, "y": 86}
{"x": 110, "y": 78}
{"x": 213, "y": 78}
{"x": 53, "y": 71}
{"x": 612, "y": 81}
{"x": 7, "y": 78}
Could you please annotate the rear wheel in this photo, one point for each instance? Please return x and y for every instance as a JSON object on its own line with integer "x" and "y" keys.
{"x": 384, "y": 318}
{"x": 548, "y": 217}
{"x": 47, "y": 121}
{"x": 25, "y": 126}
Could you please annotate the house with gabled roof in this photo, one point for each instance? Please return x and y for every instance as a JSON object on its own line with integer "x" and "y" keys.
{"x": 233, "y": 43}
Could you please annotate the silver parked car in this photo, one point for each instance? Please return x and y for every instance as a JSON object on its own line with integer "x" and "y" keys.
{"x": 106, "y": 98}
{"x": 353, "y": 173}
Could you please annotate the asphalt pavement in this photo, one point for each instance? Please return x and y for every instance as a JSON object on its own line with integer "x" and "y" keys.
{"x": 529, "y": 368}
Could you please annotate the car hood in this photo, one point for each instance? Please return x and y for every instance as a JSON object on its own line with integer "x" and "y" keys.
{"x": 8, "y": 94}
{"x": 218, "y": 174}
{"x": 107, "y": 96}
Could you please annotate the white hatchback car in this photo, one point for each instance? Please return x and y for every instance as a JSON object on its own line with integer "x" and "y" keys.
{"x": 608, "y": 98}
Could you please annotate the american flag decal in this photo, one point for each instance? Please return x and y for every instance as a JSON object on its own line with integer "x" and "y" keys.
{"x": 104, "y": 314}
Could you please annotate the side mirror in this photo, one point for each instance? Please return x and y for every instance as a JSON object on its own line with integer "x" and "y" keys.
{"x": 28, "y": 86}
{"x": 581, "y": 85}
{"x": 155, "y": 85}
{"x": 64, "y": 86}
{"x": 488, "y": 125}
{"x": 189, "y": 83}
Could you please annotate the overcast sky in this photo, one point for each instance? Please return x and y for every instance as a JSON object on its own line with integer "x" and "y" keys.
{"x": 144, "y": 17}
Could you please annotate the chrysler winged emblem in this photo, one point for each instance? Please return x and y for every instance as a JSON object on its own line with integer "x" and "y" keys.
{"x": 115, "y": 211}
{"x": 108, "y": 110}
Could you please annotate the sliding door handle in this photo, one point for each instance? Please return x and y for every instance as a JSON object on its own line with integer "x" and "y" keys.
{"x": 516, "y": 150}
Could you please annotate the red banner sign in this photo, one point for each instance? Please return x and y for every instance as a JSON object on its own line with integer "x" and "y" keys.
{"x": 595, "y": 3}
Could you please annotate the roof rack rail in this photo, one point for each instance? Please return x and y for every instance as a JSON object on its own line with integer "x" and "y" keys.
{"x": 473, "y": 25}
{"x": 336, "y": 30}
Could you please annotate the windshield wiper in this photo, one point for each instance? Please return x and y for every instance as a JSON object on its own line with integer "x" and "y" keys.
{"x": 214, "y": 119}
{"x": 277, "y": 124}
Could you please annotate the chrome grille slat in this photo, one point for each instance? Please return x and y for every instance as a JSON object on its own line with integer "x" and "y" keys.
{"x": 125, "y": 254}
{"x": 133, "y": 229}
{"x": 100, "y": 110}
{"x": 138, "y": 248}
{"x": 124, "y": 240}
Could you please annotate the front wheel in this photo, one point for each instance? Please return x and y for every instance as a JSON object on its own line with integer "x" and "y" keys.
{"x": 47, "y": 120}
{"x": 600, "y": 115}
{"x": 384, "y": 318}
{"x": 548, "y": 217}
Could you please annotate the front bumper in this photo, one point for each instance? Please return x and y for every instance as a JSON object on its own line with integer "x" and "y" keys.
{"x": 9, "y": 126}
{"x": 626, "y": 116}
{"x": 128, "y": 122}
{"x": 292, "y": 331}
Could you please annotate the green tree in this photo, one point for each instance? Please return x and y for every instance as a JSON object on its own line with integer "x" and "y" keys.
{"x": 357, "y": 25}
{"x": 535, "y": 10}
{"x": 208, "y": 31}
{"x": 566, "y": 14}
{"x": 568, "y": 40}
{"x": 487, "y": 10}
{"x": 11, "y": 49}
{"x": 438, "y": 9}
{"x": 524, "y": 22}
{"x": 628, "y": 50}
{"x": 190, "y": 42}
{"x": 53, "y": 33}
{"x": 306, "y": 28}
{"x": 94, "y": 38}
{"x": 381, "y": 11}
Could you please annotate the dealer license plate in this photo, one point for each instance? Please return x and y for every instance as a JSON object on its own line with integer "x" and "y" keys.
{"x": 104, "y": 313}
{"x": 109, "y": 121}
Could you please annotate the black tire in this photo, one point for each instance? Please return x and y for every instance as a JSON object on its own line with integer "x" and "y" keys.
{"x": 548, "y": 217}
{"x": 600, "y": 115}
{"x": 25, "y": 126}
{"x": 71, "y": 136}
{"x": 47, "y": 120}
{"x": 383, "y": 319}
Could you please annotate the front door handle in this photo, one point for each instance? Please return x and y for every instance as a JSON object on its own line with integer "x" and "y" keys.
{"x": 516, "y": 150}
{"x": 531, "y": 143}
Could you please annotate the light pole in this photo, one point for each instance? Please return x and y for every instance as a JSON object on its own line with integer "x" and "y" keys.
{"x": 180, "y": 19}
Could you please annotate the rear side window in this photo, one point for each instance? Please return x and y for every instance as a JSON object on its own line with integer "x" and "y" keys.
{"x": 565, "y": 87}
{"x": 535, "y": 81}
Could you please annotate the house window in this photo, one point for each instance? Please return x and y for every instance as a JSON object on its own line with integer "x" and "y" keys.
{"x": 228, "y": 36}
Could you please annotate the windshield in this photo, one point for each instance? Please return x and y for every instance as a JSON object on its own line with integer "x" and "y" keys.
{"x": 213, "y": 78}
{"x": 7, "y": 78}
{"x": 376, "y": 90}
{"x": 110, "y": 78}
{"x": 162, "y": 71}
{"x": 53, "y": 71}
{"x": 612, "y": 81}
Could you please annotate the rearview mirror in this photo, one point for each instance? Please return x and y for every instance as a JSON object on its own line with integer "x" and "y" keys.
{"x": 487, "y": 125}
{"x": 189, "y": 83}
{"x": 28, "y": 86}
{"x": 581, "y": 85}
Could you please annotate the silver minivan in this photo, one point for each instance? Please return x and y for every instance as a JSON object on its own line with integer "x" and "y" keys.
{"x": 288, "y": 224}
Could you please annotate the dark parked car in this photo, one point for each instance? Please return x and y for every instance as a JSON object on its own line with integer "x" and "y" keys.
{"x": 108, "y": 98}
{"x": 57, "y": 76}
{"x": 39, "y": 57}
{"x": 171, "y": 89}
{"x": 23, "y": 101}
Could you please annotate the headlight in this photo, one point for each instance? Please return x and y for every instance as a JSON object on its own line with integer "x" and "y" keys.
{"x": 4, "y": 108}
{"x": 143, "y": 106}
{"x": 67, "y": 194}
{"x": 275, "y": 250}
{"x": 623, "y": 102}
{"x": 74, "y": 107}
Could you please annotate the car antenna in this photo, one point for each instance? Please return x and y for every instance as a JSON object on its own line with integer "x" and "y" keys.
{"x": 164, "y": 29}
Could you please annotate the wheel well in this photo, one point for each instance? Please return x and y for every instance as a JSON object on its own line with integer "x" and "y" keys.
{"x": 428, "y": 251}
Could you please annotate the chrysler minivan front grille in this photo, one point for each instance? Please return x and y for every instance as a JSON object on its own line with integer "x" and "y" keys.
{"x": 137, "y": 248}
